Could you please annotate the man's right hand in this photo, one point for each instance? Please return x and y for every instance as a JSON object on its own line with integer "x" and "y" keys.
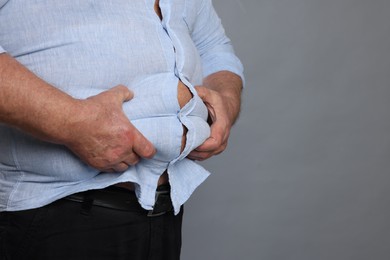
{"x": 101, "y": 134}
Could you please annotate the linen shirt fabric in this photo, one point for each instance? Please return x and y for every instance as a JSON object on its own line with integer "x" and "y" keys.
{"x": 86, "y": 47}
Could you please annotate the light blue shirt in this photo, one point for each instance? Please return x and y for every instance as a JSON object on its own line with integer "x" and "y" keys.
{"x": 86, "y": 47}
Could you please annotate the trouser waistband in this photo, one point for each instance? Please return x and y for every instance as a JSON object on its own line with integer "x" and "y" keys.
{"x": 122, "y": 199}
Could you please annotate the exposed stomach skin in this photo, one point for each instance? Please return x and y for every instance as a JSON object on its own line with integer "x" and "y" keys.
{"x": 184, "y": 95}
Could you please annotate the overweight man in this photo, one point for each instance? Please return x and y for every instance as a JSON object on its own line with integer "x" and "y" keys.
{"x": 105, "y": 107}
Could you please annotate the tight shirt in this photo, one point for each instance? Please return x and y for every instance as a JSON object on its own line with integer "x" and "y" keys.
{"x": 86, "y": 47}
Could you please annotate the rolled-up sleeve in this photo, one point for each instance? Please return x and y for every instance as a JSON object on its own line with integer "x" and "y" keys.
{"x": 214, "y": 46}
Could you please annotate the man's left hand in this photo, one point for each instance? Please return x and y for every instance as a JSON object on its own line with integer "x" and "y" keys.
{"x": 221, "y": 93}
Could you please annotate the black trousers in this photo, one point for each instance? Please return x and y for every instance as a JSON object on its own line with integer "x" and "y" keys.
{"x": 68, "y": 230}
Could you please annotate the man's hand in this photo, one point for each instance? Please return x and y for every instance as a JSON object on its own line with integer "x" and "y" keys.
{"x": 221, "y": 92}
{"x": 103, "y": 137}
{"x": 220, "y": 125}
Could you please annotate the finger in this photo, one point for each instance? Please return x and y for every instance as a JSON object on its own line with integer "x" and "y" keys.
{"x": 142, "y": 146}
{"x": 209, "y": 145}
{"x": 122, "y": 93}
{"x": 121, "y": 167}
{"x": 211, "y": 99}
{"x": 132, "y": 159}
{"x": 199, "y": 156}
{"x": 202, "y": 155}
{"x": 203, "y": 92}
{"x": 218, "y": 136}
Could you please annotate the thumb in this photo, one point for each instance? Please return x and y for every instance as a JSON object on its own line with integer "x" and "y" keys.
{"x": 143, "y": 147}
{"x": 121, "y": 93}
{"x": 201, "y": 91}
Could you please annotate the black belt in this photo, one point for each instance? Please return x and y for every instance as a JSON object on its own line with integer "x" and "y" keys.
{"x": 122, "y": 199}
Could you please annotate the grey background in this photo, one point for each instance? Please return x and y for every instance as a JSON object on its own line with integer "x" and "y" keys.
{"x": 306, "y": 175}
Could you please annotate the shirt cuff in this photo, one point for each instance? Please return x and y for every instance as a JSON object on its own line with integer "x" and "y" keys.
{"x": 1, "y": 50}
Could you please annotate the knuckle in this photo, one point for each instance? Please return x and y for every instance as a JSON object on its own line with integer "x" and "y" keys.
{"x": 121, "y": 167}
{"x": 99, "y": 165}
{"x": 134, "y": 161}
{"x": 218, "y": 142}
{"x": 111, "y": 158}
{"x": 128, "y": 132}
{"x": 204, "y": 155}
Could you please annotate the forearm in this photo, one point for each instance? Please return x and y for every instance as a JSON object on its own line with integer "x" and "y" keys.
{"x": 229, "y": 86}
{"x": 32, "y": 105}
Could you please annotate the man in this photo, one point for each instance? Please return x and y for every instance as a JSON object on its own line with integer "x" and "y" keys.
{"x": 103, "y": 109}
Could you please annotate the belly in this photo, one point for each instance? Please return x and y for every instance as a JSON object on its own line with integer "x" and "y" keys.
{"x": 163, "y": 109}
{"x": 160, "y": 102}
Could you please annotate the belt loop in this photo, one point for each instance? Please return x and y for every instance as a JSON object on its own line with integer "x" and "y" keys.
{"x": 87, "y": 204}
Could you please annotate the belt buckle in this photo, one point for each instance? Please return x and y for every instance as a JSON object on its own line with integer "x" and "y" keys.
{"x": 162, "y": 204}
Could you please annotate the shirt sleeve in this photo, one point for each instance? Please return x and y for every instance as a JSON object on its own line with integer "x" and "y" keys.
{"x": 214, "y": 46}
{"x": 2, "y": 3}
